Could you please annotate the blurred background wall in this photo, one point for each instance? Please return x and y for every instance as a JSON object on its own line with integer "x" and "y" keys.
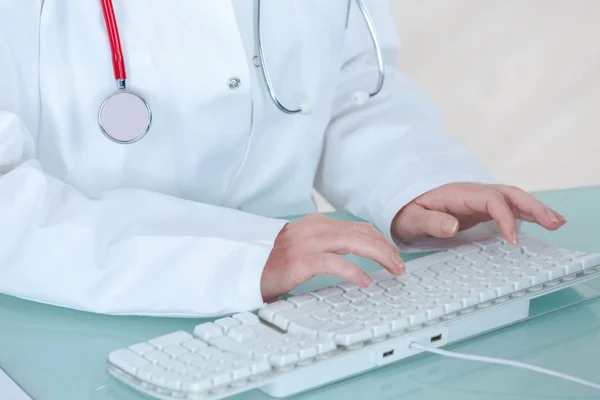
{"x": 517, "y": 81}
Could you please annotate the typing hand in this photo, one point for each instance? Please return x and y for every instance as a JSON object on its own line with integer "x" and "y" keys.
{"x": 312, "y": 246}
{"x": 448, "y": 209}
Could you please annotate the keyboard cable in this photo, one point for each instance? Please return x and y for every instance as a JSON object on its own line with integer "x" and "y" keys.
{"x": 501, "y": 361}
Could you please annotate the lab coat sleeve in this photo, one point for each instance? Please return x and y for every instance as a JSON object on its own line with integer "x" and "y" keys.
{"x": 379, "y": 156}
{"x": 126, "y": 252}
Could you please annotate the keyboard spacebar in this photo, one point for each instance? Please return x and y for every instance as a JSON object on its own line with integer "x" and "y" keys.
{"x": 431, "y": 259}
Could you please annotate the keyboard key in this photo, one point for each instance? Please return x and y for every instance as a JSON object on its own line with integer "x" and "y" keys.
{"x": 492, "y": 252}
{"x": 489, "y": 242}
{"x": 399, "y": 323}
{"x": 352, "y": 334}
{"x": 484, "y": 293}
{"x": 440, "y": 267}
{"x": 302, "y": 299}
{"x": 380, "y": 329}
{"x": 142, "y": 348}
{"x": 207, "y": 331}
{"x": 536, "y": 277}
{"x": 499, "y": 261}
{"x": 268, "y": 312}
{"x": 355, "y": 295}
{"x": 174, "y": 365}
{"x": 127, "y": 360}
{"x": 227, "y": 323}
{"x": 167, "y": 340}
{"x": 175, "y": 350}
{"x": 475, "y": 257}
{"x": 242, "y": 333}
{"x": 589, "y": 260}
{"x": 468, "y": 299}
{"x": 416, "y": 315}
{"x": 372, "y": 290}
{"x": 193, "y": 345}
{"x": 323, "y": 315}
{"x": 146, "y": 373}
{"x": 337, "y": 301}
{"x": 360, "y": 305}
{"x": 324, "y": 293}
{"x": 283, "y": 358}
{"x": 219, "y": 378}
{"x": 247, "y": 318}
{"x": 425, "y": 273}
{"x": 283, "y": 318}
{"x": 192, "y": 359}
{"x": 407, "y": 279}
{"x": 343, "y": 310}
{"x": 465, "y": 249}
{"x": 378, "y": 299}
{"x": 440, "y": 257}
{"x": 389, "y": 284}
{"x": 572, "y": 267}
{"x": 309, "y": 326}
{"x": 502, "y": 288}
{"x": 195, "y": 386}
{"x": 396, "y": 294}
{"x": 348, "y": 286}
{"x": 433, "y": 310}
{"x": 381, "y": 275}
{"x": 449, "y": 303}
{"x": 156, "y": 356}
{"x": 209, "y": 353}
{"x": 458, "y": 262}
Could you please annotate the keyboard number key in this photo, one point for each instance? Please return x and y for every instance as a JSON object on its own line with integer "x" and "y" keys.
{"x": 170, "y": 339}
{"x": 127, "y": 360}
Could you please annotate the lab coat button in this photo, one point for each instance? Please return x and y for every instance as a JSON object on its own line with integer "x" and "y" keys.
{"x": 233, "y": 83}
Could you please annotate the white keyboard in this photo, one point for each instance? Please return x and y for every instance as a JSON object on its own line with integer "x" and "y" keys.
{"x": 332, "y": 333}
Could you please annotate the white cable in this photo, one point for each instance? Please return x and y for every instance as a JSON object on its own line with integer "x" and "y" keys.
{"x": 510, "y": 363}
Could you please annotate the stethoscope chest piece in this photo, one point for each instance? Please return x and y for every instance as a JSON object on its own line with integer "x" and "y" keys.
{"x": 124, "y": 117}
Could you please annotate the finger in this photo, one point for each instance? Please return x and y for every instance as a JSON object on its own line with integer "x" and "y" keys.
{"x": 417, "y": 222}
{"x": 316, "y": 224}
{"x": 494, "y": 203}
{"x": 529, "y": 205}
{"x": 362, "y": 246}
{"x": 331, "y": 264}
{"x": 364, "y": 228}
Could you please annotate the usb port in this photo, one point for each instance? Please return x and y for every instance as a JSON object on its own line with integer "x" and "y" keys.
{"x": 436, "y": 338}
{"x": 388, "y": 353}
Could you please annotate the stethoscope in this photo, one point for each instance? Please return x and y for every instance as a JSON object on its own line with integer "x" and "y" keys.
{"x": 125, "y": 117}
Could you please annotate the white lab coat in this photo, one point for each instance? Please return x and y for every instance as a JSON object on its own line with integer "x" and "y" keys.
{"x": 181, "y": 222}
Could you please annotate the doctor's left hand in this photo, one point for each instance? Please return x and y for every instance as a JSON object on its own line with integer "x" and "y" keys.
{"x": 448, "y": 209}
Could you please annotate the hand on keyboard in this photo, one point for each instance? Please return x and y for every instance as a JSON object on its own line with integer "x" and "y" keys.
{"x": 311, "y": 246}
{"x": 444, "y": 211}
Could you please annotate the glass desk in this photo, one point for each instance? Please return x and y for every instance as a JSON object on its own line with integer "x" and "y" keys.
{"x": 60, "y": 354}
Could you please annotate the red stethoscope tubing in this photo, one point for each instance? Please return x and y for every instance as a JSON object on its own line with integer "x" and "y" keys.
{"x": 115, "y": 41}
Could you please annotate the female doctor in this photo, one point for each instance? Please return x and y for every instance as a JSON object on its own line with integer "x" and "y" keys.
{"x": 149, "y": 153}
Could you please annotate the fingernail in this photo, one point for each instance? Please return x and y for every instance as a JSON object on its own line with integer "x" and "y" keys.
{"x": 552, "y": 216}
{"x": 366, "y": 282}
{"x": 449, "y": 226}
{"x": 398, "y": 263}
{"x": 515, "y": 238}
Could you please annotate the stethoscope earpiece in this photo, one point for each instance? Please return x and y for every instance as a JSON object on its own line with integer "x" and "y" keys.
{"x": 306, "y": 108}
{"x": 360, "y": 98}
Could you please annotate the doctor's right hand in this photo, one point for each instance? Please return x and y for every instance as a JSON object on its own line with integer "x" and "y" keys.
{"x": 313, "y": 246}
